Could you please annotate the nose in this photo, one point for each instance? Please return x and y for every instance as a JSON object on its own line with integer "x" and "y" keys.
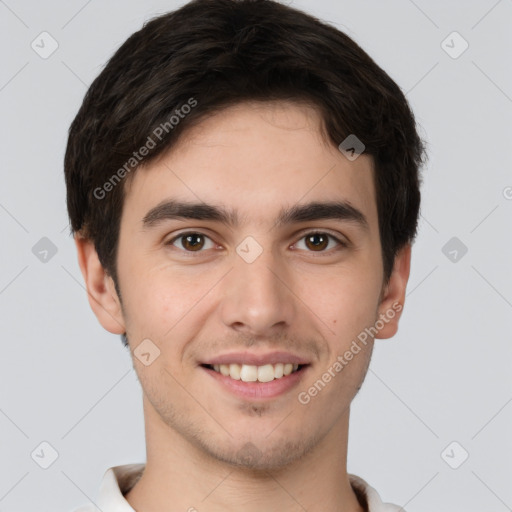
{"x": 258, "y": 297}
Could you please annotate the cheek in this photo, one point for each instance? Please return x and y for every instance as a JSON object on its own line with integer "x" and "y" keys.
{"x": 346, "y": 300}
{"x": 161, "y": 300}
{"x": 155, "y": 305}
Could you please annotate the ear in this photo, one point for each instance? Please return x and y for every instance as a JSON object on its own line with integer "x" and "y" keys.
{"x": 393, "y": 294}
{"x": 100, "y": 287}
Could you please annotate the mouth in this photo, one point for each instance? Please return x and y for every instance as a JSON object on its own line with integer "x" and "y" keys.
{"x": 257, "y": 376}
{"x": 252, "y": 373}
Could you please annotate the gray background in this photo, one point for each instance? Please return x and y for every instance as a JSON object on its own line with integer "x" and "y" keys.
{"x": 444, "y": 377}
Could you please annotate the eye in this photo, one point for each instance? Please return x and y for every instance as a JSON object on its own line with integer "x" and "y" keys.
{"x": 318, "y": 241}
{"x": 191, "y": 241}
{"x": 315, "y": 241}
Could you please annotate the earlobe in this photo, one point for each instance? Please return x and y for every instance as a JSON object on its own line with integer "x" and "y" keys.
{"x": 100, "y": 287}
{"x": 393, "y": 296}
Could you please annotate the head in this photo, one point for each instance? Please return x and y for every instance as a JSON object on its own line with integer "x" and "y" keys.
{"x": 221, "y": 122}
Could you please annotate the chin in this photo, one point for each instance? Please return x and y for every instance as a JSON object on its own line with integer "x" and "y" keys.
{"x": 260, "y": 455}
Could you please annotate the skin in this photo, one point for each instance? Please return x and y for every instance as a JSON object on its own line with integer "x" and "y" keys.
{"x": 255, "y": 158}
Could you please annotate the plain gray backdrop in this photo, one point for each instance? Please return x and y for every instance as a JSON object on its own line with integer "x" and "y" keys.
{"x": 430, "y": 429}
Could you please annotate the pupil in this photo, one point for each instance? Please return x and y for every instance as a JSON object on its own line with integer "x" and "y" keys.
{"x": 314, "y": 237}
{"x": 193, "y": 240}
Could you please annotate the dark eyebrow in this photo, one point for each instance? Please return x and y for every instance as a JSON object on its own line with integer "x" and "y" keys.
{"x": 331, "y": 210}
{"x": 173, "y": 209}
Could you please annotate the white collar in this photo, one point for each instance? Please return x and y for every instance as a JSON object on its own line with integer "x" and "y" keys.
{"x": 118, "y": 480}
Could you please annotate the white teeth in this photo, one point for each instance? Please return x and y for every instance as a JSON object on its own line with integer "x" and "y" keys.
{"x": 249, "y": 373}
{"x": 234, "y": 371}
{"x": 252, "y": 373}
{"x": 266, "y": 373}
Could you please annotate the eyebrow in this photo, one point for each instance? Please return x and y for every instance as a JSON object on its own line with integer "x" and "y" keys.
{"x": 330, "y": 210}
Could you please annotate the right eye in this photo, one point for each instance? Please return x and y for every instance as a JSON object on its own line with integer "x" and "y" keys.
{"x": 191, "y": 241}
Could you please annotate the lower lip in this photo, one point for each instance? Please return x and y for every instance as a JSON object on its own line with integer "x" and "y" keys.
{"x": 259, "y": 390}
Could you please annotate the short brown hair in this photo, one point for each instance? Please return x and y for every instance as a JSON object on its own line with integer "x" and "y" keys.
{"x": 217, "y": 53}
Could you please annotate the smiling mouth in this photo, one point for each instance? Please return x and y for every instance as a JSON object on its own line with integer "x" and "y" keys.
{"x": 252, "y": 373}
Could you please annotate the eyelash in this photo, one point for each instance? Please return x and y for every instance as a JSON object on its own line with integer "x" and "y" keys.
{"x": 340, "y": 243}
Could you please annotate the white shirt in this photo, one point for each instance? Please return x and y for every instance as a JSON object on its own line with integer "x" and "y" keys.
{"x": 118, "y": 480}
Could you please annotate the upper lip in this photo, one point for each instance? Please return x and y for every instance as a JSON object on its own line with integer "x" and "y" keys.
{"x": 250, "y": 358}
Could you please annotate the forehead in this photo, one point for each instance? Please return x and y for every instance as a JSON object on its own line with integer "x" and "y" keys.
{"x": 255, "y": 158}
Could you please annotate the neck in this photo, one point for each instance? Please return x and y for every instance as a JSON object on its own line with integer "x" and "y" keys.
{"x": 180, "y": 476}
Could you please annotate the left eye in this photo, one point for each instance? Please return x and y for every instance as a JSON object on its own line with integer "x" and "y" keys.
{"x": 318, "y": 241}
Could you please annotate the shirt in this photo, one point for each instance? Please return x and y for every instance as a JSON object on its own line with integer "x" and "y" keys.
{"x": 118, "y": 480}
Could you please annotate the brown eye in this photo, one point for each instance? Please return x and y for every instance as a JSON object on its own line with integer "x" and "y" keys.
{"x": 191, "y": 242}
{"x": 317, "y": 241}
{"x": 321, "y": 242}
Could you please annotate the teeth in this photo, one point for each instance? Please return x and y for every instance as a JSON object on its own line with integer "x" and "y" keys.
{"x": 288, "y": 368}
{"x": 266, "y": 373}
{"x": 251, "y": 373}
{"x": 234, "y": 371}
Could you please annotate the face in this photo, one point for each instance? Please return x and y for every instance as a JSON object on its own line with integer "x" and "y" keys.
{"x": 250, "y": 251}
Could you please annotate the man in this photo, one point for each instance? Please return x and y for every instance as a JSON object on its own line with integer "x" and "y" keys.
{"x": 243, "y": 188}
